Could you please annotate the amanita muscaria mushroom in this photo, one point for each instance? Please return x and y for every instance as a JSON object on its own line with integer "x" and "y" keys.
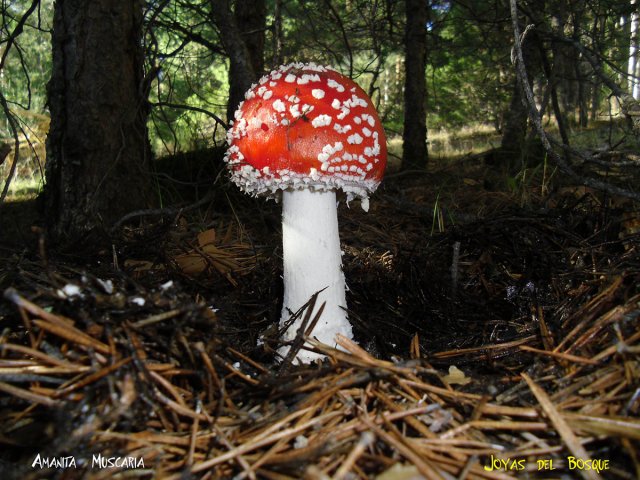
{"x": 307, "y": 131}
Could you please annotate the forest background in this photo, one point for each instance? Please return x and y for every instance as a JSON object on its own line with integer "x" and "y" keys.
{"x": 447, "y": 62}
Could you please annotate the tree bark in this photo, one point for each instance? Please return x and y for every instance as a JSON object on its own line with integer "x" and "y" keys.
{"x": 251, "y": 18}
{"x": 633, "y": 67}
{"x": 98, "y": 152}
{"x": 514, "y": 133}
{"x": 598, "y": 35}
{"x": 278, "y": 33}
{"x": 242, "y": 36}
{"x": 580, "y": 75}
{"x": 414, "y": 137}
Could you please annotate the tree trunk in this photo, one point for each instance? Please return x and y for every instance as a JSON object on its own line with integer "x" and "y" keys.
{"x": 583, "y": 96}
{"x": 97, "y": 149}
{"x": 251, "y": 16}
{"x": 580, "y": 73}
{"x": 242, "y": 36}
{"x": 598, "y": 34}
{"x": 514, "y": 132}
{"x": 278, "y": 34}
{"x": 633, "y": 66}
{"x": 565, "y": 57}
{"x": 414, "y": 138}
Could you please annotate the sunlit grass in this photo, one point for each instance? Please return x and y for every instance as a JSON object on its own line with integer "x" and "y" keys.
{"x": 468, "y": 140}
{"x": 24, "y": 188}
{"x": 450, "y": 144}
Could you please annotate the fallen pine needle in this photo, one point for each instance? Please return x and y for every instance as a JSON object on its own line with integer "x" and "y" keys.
{"x": 560, "y": 424}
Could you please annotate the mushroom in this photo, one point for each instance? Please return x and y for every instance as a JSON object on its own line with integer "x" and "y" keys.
{"x": 303, "y": 132}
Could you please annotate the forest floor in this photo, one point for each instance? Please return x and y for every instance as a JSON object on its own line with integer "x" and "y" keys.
{"x": 497, "y": 321}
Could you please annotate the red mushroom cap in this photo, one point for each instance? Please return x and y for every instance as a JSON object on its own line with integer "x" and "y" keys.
{"x": 306, "y": 126}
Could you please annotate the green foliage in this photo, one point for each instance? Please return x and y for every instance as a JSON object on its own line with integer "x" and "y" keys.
{"x": 469, "y": 76}
{"x": 469, "y": 73}
{"x": 27, "y": 66}
{"x": 188, "y": 73}
{"x": 362, "y": 38}
{"x": 24, "y": 73}
{"x": 194, "y": 78}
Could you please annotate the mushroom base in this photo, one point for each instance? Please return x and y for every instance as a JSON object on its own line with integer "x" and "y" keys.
{"x": 312, "y": 262}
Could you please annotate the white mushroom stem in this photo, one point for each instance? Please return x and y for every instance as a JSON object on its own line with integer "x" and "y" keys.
{"x": 313, "y": 262}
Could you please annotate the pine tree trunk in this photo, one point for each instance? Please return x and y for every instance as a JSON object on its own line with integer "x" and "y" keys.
{"x": 242, "y": 35}
{"x": 251, "y": 16}
{"x": 633, "y": 67}
{"x": 514, "y": 132}
{"x": 598, "y": 34}
{"x": 414, "y": 138}
{"x": 581, "y": 76}
{"x": 97, "y": 149}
